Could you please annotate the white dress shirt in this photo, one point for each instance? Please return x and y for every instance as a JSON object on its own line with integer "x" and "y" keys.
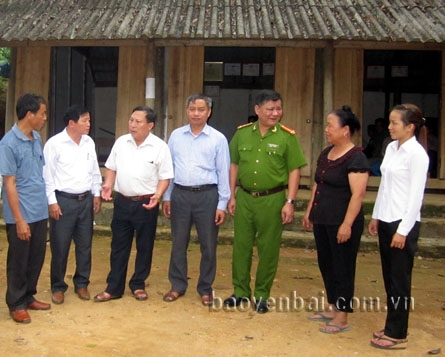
{"x": 139, "y": 168}
{"x": 404, "y": 174}
{"x": 70, "y": 167}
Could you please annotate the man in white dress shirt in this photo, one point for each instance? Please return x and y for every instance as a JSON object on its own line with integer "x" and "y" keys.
{"x": 73, "y": 184}
{"x": 140, "y": 168}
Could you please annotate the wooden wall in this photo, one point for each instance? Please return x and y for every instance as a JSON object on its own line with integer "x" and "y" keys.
{"x": 185, "y": 77}
{"x": 441, "y": 158}
{"x": 348, "y": 81}
{"x": 130, "y": 84}
{"x": 32, "y": 75}
{"x": 294, "y": 80}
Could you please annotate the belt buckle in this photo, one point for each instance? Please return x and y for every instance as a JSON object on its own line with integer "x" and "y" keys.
{"x": 81, "y": 197}
{"x": 195, "y": 189}
{"x": 255, "y": 194}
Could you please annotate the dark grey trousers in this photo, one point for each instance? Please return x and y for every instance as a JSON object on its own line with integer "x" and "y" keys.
{"x": 198, "y": 208}
{"x": 75, "y": 224}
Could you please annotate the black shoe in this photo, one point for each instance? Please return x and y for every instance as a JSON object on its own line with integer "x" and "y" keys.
{"x": 234, "y": 300}
{"x": 262, "y": 307}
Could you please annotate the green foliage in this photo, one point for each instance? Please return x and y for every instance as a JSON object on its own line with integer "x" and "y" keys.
{"x": 5, "y": 54}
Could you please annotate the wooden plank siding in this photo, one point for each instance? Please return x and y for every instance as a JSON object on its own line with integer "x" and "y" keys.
{"x": 186, "y": 77}
{"x": 440, "y": 134}
{"x": 294, "y": 80}
{"x": 130, "y": 84}
{"x": 32, "y": 75}
{"x": 348, "y": 82}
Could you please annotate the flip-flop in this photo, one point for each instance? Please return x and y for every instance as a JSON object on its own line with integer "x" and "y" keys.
{"x": 394, "y": 344}
{"x": 336, "y": 327}
{"x": 319, "y": 316}
{"x": 378, "y": 334}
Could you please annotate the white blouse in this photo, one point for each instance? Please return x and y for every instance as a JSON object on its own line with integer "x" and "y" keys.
{"x": 404, "y": 173}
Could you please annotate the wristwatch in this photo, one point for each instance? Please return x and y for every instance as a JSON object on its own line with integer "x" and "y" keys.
{"x": 288, "y": 200}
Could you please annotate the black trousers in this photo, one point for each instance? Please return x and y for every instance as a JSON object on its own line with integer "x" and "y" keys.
{"x": 337, "y": 263}
{"x": 198, "y": 208}
{"x": 76, "y": 223}
{"x": 24, "y": 263}
{"x": 130, "y": 219}
{"x": 397, "y": 266}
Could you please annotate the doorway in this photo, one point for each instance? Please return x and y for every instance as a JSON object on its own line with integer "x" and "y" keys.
{"x": 86, "y": 76}
{"x": 394, "y": 77}
{"x": 233, "y": 76}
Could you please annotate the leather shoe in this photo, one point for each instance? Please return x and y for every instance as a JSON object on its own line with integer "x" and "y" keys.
{"x": 262, "y": 307}
{"x": 83, "y": 293}
{"x": 58, "y": 297}
{"x": 38, "y": 305}
{"x": 20, "y": 316}
{"x": 234, "y": 300}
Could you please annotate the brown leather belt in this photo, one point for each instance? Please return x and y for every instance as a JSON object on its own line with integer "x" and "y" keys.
{"x": 266, "y": 192}
{"x": 75, "y": 196}
{"x": 136, "y": 198}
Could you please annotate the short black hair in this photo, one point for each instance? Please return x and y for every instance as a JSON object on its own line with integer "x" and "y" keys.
{"x": 28, "y": 102}
{"x": 150, "y": 114}
{"x": 266, "y": 96}
{"x": 73, "y": 113}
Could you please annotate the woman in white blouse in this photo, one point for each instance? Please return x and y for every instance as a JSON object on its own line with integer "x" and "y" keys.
{"x": 396, "y": 218}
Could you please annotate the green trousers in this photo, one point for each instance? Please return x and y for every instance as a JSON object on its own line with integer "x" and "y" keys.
{"x": 256, "y": 219}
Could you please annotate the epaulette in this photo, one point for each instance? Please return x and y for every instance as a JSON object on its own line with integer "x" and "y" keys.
{"x": 243, "y": 125}
{"x": 289, "y": 130}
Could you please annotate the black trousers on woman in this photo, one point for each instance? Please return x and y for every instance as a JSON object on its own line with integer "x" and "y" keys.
{"x": 397, "y": 266}
{"x": 337, "y": 263}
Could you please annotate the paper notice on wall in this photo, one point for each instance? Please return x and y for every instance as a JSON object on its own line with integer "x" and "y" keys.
{"x": 149, "y": 88}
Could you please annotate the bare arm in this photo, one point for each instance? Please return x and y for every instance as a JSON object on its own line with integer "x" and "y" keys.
{"x": 160, "y": 189}
{"x": 233, "y": 174}
{"x": 287, "y": 212}
{"x": 357, "y": 183}
{"x": 307, "y": 224}
{"x": 107, "y": 187}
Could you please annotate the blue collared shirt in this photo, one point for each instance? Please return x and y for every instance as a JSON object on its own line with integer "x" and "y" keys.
{"x": 201, "y": 159}
{"x": 23, "y": 158}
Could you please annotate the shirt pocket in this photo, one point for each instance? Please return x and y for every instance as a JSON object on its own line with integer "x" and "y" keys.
{"x": 275, "y": 156}
{"x": 245, "y": 152}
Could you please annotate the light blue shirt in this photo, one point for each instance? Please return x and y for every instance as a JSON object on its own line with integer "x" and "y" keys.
{"x": 23, "y": 158}
{"x": 201, "y": 159}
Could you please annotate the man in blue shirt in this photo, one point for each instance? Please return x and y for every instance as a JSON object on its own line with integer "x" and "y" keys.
{"x": 198, "y": 195}
{"x": 25, "y": 207}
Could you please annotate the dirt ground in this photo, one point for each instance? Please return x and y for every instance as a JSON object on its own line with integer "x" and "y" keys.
{"x": 126, "y": 327}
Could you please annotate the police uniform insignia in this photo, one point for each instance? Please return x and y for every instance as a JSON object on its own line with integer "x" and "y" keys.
{"x": 289, "y": 130}
{"x": 244, "y": 125}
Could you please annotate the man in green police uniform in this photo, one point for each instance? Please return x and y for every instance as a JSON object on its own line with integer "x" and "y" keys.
{"x": 265, "y": 161}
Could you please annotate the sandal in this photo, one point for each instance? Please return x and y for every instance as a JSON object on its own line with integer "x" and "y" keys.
{"x": 104, "y": 296}
{"x": 172, "y": 295}
{"x": 140, "y": 294}
{"x": 332, "y": 328}
{"x": 379, "y": 334}
{"x": 319, "y": 316}
{"x": 390, "y": 344}
{"x": 207, "y": 300}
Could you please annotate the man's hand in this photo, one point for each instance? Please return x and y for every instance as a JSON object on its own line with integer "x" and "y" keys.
{"x": 54, "y": 211}
{"x": 219, "y": 217}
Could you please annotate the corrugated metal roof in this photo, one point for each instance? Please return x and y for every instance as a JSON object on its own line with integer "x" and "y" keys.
{"x": 373, "y": 20}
